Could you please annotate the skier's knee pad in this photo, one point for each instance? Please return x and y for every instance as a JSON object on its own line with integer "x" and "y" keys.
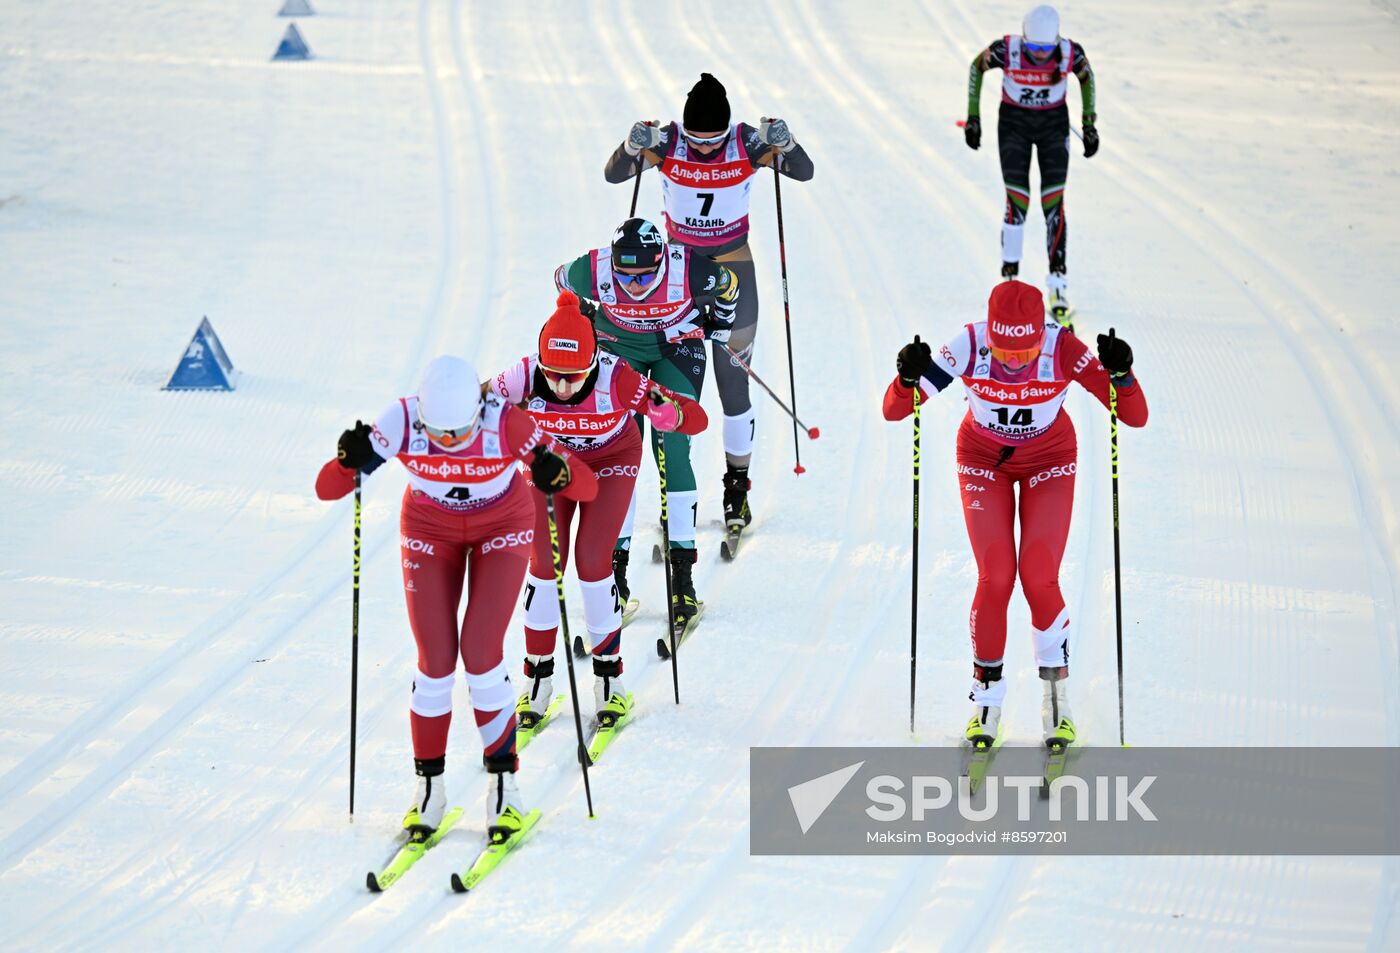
{"x": 1052, "y": 643}
{"x": 739, "y": 433}
{"x": 432, "y": 697}
{"x": 491, "y": 691}
{"x": 541, "y": 603}
{"x": 601, "y": 612}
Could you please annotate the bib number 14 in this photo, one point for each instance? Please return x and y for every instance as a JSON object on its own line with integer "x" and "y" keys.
{"x": 1021, "y": 418}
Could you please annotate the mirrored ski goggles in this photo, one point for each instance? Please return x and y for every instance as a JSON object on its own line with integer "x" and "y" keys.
{"x": 1015, "y": 360}
{"x": 1041, "y": 48}
{"x": 455, "y": 437}
{"x": 706, "y": 140}
{"x": 636, "y": 280}
{"x": 567, "y": 377}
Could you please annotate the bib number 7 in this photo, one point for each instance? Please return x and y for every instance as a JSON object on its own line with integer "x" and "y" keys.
{"x": 707, "y": 199}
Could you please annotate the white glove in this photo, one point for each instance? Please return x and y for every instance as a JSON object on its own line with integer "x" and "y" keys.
{"x": 644, "y": 135}
{"x": 775, "y": 132}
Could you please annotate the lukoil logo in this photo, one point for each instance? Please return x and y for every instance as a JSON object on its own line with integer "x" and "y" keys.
{"x": 416, "y": 545}
{"x": 1013, "y": 330}
{"x": 563, "y": 344}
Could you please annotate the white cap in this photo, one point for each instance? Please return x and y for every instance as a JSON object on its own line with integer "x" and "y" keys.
{"x": 449, "y": 396}
{"x": 1041, "y": 25}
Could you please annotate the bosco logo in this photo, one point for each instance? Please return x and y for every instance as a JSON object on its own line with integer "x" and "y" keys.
{"x": 617, "y": 471}
{"x": 507, "y": 540}
{"x": 1053, "y": 472}
{"x": 416, "y": 545}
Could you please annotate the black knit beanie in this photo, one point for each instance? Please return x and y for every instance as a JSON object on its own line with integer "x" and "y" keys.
{"x": 707, "y": 106}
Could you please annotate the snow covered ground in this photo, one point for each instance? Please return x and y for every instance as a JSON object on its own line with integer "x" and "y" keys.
{"x": 174, "y": 603}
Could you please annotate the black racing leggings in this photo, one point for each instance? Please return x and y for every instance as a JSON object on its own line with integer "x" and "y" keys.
{"x": 1047, "y": 130}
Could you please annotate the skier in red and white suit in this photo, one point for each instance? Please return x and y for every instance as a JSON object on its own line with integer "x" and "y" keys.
{"x": 1017, "y": 369}
{"x": 584, "y": 398}
{"x": 466, "y": 512}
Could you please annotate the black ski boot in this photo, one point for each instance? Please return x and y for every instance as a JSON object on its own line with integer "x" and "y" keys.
{"x": 1010, "y": 269}
{"x": 736, "y": 498}
{"x": 620, "y": 574}
{"x": 684, "y": 605}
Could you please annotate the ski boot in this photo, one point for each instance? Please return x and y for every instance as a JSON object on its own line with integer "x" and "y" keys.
{"x": 684, "y": 605}
{"x": 1056, "y": 719}
{"x": 1010, "y": 269}
{"x": 505, "y": 808}
{"x": 983, "y": 726}
{"x": 736, "y": 498}
{"x": 620, "y": 574}
{"x": 1058, "y": 298}
{"x": 533, "y": 703}
{"x": 430, "y": 801}
{"x": 611, "y": 701}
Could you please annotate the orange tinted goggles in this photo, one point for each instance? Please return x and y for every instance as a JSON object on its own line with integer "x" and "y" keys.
{"x": 451, "y": 438}
{"x": 1015, "y": 360}
{"x": 565, "y": 377}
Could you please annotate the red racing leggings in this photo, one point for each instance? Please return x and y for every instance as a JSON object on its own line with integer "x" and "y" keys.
{"x": 488, "y": 551}
{"x": 988, "y": 474}
{"x": 599, "y": 522}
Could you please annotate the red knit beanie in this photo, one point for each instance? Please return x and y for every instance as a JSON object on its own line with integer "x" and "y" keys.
{"x": 567, "y": 342}
{"x": 1015, "y": 316}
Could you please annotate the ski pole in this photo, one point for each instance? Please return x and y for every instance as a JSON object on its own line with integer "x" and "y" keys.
{"x": 666, "y": 552}
{"x": 787, "y": 321}
{"x": 355, "y": 644}
{"x": 914, "y": 594}
{"x": 1117, "y": 572}
{"x": 637, "y": 186}
{"x": 568, "y": 645}
{"x": 812, "y": 432}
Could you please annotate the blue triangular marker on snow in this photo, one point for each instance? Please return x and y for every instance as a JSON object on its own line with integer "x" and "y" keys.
{"x": 293, "y": 47}
{"x": 205, "y": 365}
{"x": 295, "y": 8}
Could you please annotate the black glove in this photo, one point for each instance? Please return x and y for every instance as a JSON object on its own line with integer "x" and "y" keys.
{"x": 353, "y": 450}
{"x": 1091, "y": 139}
{"x": 912, "y": 361}
{"x": 972, "y": 132}
{"x": 1115, "y": 355}
{"x": 549, "y": 471}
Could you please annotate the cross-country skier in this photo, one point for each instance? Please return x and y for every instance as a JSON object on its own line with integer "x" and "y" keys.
{"x": 584, "y": 398}
{"x": 466, "y": 512}
{"x": 1017, "y": 368}
{"x": 656, "y": 303}
{"x": 707, "y": 168}
{"x": 1035, "y": 79}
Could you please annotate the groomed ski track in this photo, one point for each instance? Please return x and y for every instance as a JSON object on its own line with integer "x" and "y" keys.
{"x": 176, "y": 603}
